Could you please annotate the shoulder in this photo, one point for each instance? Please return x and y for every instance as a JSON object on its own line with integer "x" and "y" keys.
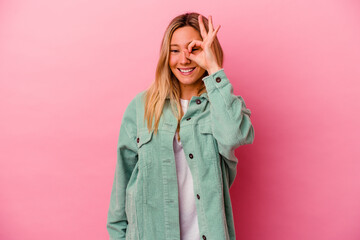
{"x": 134, "y": 111}
{"x": 136, "y": 101}
{"x": 140, "y": 97}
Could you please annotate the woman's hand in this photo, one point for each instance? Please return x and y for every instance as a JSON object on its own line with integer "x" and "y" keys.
{"x": 205, "y": 58}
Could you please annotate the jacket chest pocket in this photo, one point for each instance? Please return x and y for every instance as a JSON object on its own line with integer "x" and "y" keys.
{"x": 208, "y": 143}
{"x": 145, "y": 147}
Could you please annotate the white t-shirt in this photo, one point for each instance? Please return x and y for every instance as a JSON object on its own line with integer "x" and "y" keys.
{"x": 189, "y": 228}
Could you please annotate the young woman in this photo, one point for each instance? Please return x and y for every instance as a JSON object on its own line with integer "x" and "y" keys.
{"x": 175, "y": 153}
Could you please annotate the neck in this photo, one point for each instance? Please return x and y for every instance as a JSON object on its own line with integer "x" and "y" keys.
{"x": 188, "y": 91}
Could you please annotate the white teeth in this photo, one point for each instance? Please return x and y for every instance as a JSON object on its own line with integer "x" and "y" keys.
{"x": 181, "y": 70}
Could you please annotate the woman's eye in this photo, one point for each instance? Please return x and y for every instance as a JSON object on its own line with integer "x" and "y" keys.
{"x": 173, "y": 50}
{"x": 194, "y": 49}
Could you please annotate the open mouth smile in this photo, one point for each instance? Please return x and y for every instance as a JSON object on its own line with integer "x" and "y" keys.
{"x": 186, "y": 71}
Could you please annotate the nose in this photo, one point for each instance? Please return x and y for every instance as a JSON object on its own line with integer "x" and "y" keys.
{"x": 183, "y": 58}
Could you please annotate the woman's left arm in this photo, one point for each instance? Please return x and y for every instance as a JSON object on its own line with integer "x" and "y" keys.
{"x": 230, "y": 118}
{"x": 231, "y": 125}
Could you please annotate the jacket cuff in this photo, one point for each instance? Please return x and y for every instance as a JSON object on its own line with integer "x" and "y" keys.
{"x": 216, "y": 80}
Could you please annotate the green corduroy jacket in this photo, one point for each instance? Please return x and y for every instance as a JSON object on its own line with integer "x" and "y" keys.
{"x": 144, "y": 197}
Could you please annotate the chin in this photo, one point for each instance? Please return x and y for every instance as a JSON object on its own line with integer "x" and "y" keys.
{"x": 189, "y": 80}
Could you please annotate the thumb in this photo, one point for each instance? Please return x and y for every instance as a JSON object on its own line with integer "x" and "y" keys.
{"x": 189, "y": 55}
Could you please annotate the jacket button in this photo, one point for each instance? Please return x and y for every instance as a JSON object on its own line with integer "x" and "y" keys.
{"x": 188, "y": 119}
{"x": 198, "y": 101}
{"x": 191, "y": 156}
{"x": 137, "y": 140}
{"x": 203, "y": 236}
{"x": 218, "y": 79}
{"x": 198, "y": 196}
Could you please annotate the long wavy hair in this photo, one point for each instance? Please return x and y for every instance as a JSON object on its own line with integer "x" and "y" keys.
{"x": 166, "y": 84}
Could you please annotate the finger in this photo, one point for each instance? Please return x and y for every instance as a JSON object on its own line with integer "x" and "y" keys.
{"x": 216, "y": 30}
{"x": 191, "y": 56}
{"x": 202, "y": 27}
{"x": 213, "y": 36}
{"x": 194, "y": 43}
{"x": 211, "y": 28}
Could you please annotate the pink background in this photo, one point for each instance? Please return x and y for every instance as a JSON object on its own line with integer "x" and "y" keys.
{"x": 68, "y": 69}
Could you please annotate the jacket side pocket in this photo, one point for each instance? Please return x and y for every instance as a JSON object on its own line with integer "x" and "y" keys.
{"x": 144, "y": 142}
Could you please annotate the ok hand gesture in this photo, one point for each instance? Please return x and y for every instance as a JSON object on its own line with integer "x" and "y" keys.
{"x": 205, "y": 58}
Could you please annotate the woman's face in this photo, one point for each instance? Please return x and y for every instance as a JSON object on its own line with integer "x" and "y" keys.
{"x": 178, "y": 62}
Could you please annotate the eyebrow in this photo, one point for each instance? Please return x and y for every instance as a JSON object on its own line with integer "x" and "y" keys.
{"x": 178, "y": 45}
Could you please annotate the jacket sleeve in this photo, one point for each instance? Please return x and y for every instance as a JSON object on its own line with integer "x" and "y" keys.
{"x": 230, "y": 119}
{"x": 126, "y": 160}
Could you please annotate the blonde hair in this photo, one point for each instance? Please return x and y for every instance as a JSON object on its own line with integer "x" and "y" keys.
{"x": 166, "y": 84}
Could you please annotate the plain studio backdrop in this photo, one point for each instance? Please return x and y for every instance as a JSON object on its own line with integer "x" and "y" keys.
{"x": 68, "y": 69}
